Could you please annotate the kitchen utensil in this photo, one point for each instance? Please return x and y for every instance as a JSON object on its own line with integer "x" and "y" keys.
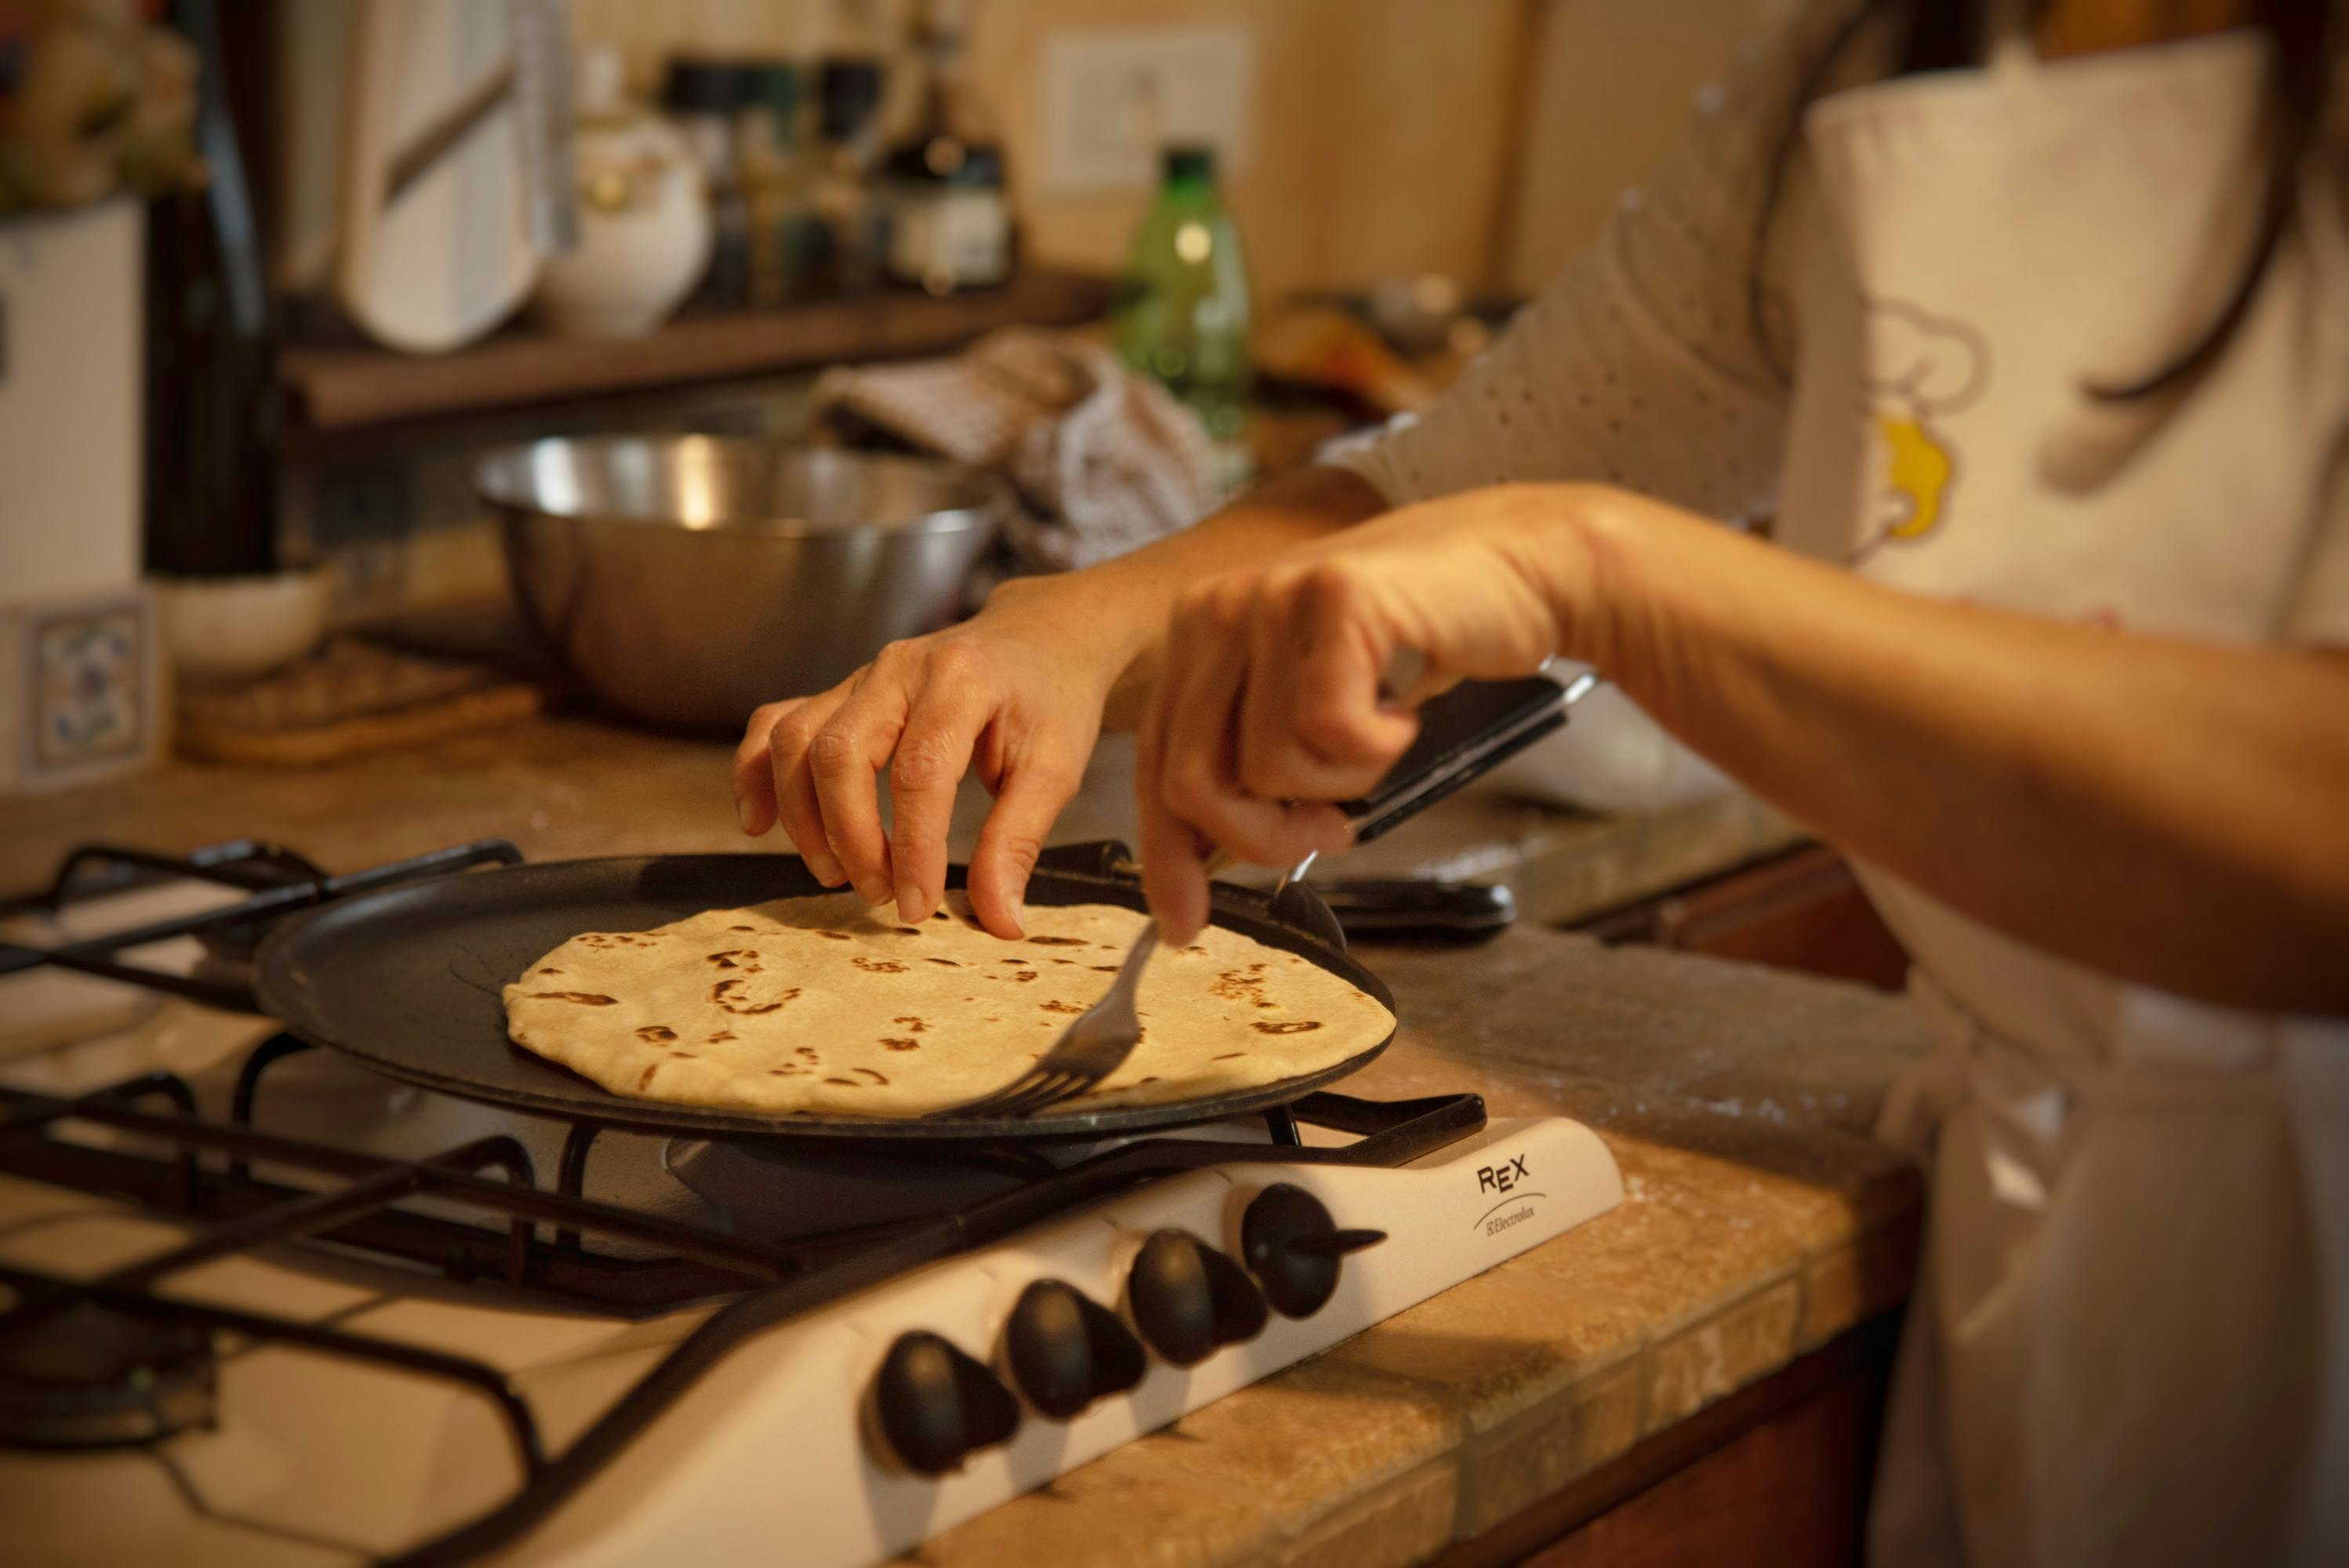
{"x": 688, "y": 579}
{"x": 1094, "y": 1045}
{"x": 1399, "y": 910}
{"x": 435, "y": 244}
{"x": 409, "y": 980}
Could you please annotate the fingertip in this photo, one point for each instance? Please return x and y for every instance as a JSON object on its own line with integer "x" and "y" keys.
{"x": 1001, "y": 908}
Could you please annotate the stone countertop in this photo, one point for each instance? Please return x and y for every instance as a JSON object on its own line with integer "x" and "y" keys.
{"x": 1759, "y": 1220}
{"x": 567, "y": 787}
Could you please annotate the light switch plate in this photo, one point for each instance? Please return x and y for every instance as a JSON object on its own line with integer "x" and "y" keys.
{"x": 1114, "y": 98}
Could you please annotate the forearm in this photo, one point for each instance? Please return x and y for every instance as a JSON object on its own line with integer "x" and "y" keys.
{"x": 2167, "y": 811}
{"x": 1118, "y": 609}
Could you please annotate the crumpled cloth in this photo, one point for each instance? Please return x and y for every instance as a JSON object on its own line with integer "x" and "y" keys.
{"x": 1102, "y": 461}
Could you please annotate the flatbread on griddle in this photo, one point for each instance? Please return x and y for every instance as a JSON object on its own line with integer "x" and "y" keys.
{"x": 822, "y": 1005}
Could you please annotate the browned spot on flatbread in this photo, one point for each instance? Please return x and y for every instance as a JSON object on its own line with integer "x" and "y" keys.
{"x": 1067, "y": 961}
{"x": 941, "y": 915}
{"x": 1285, "y": 1027}
{"x": 948, "y": 962}
{"x": 1025, "y": 975}
{"x": 584, "y": 998}
{"x": 1268, "y": 1004}
{"x": 835, "y": 937}
{"x": 879, "y": 966}
{"x": 550, "y": 971}
{"x": 845, "y": 1083}
{"x": 1059, "y": 1008}
{"x": 742, "y": 958}
{"x": 903, "y": 930}
{"x": 719, "y": 1038}
{"x": 1227, "y": 1056}
{"x": 656, "y": 1034}
{"x": 1195, "y": 948}
{"x": 807, "y": 1051}
{"x": 685, "y": 1056}
{"x": 1102, "y": 968}
{"x": 1057, "y": 941}
{"x": 913, "y": 1024}
{"x": 742, "y": 1009}
{"x": 647, "y": 1076}
{"x": 741, "y": 928}
{"x": 1238, "y": 986}
{"x": 1152, "y": 1078}
{"x": 901, "y": 1043}
{"x": 875, "y": 1077}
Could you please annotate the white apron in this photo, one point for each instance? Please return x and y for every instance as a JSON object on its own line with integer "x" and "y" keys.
{"x": 2130, "y": 1340}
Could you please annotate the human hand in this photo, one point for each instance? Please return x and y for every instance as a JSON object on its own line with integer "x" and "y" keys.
{"x": 1016, "y": 691}
{"x": 1268, "y": 705}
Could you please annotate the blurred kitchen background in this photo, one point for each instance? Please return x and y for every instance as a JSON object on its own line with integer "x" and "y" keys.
{"x": 347, "y": 344}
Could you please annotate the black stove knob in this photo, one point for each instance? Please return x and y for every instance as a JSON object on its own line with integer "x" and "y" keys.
{"x": 1066, "y": 1350}
{"x": 1187, "y": 1298}
{"x": 1293, "y": 1248}
{"x": 937, "y": 1405}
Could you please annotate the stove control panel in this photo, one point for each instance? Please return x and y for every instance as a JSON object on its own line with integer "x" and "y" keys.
{"x": 934, "y": 1405}
{"x": 939, "y": 1392}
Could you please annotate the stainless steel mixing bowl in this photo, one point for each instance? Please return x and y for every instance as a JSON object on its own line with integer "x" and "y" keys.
{"x": 688, "y": 579}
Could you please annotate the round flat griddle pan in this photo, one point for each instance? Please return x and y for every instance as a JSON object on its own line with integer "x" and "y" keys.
{"x": 409, "y": 980}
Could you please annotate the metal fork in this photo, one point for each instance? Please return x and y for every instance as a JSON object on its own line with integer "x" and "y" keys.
{"x": 1097, "y": 1040}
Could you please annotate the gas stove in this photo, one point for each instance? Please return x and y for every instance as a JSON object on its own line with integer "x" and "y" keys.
{"x": 261, "y": 1304}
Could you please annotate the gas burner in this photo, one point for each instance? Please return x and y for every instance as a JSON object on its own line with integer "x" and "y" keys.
{"x": 88, "y": 1376}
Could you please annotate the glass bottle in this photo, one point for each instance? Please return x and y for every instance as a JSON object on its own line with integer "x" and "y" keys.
{"x": 949, "y": 214}
{"x": 776, "y": 178}
{"x": 1183, "y": 305}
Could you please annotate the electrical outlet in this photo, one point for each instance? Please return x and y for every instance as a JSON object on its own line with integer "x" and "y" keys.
{"x": 1112, "y": 100}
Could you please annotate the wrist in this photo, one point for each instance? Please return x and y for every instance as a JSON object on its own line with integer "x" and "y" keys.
{"x": 1101, "y": 617}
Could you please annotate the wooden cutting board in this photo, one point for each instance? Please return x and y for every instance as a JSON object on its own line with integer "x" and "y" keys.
{"x": 349, "y": 699}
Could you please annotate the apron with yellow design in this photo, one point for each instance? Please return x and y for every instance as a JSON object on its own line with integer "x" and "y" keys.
{"x": 2130, "y": 1341}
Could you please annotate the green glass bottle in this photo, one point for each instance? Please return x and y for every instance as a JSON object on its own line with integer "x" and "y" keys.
{"x": 1183, "y": 309}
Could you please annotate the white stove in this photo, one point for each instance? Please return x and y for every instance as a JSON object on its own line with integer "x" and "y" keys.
{"x": 717, "y": 1348}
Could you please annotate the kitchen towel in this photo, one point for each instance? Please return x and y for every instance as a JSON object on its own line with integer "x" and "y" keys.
{"x": 1103, "y": 461}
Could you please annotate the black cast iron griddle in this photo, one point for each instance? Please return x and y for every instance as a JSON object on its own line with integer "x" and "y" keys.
{"x": 410, "y": 980}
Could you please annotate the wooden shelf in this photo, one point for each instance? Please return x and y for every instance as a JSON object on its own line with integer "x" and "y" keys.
{"x": 352, "y": 389}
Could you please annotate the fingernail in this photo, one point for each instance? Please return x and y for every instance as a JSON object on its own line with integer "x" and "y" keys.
{"x": 1018, "y": 915}
{"x": 742, "y": 815}
{"x": 910, "y": 904}
{"x": 873, "y": 893}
